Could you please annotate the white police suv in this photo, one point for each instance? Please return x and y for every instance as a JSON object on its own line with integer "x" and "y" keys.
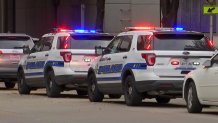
{"x": 146, "y": 62}
{"x": 60, "y": 61}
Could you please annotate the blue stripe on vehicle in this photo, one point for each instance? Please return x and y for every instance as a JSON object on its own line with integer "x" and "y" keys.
{"x": 109, "y": 79}
{"x": 181, "y": 68}
{"x": 34, "y": 74}
{"x": 116, "y": 68}
{"x": 135, "y": 66}
{"x": 55, "y": 63}
{"x": 42, "y": 64}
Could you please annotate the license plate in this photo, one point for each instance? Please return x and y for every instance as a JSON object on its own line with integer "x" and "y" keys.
{"x": 14, "y": 57}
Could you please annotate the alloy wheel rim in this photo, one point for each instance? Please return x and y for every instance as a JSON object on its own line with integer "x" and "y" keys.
{"x": 129, "y": 88}
{"x": 93, "y": 87}
{"x": 190, "y": 97}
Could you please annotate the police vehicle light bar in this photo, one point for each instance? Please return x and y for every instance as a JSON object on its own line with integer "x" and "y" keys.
{"x": 152, "y": 28}
{"x": 76, "y": 30}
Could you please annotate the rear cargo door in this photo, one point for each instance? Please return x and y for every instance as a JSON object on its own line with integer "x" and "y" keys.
{"x": 82, "y": 48}
{"x": 178, "y": 54}
{"x": 9, "y": 59}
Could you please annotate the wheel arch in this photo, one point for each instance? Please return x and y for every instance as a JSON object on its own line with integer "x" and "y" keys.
{"x": 90, "y": 71}
{"x": 185, "y": 89}
{"x": 126, "y": 73}
{"x": 19, "y": 68}
{"x": 47, "y": 69}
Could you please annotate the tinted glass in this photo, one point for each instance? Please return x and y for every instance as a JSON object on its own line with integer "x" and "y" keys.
{"x": 125, "y": 44}
{"x": 144, "y": 42}
{"x": 84, "y": 41}
{"x": 113, "y": 46}
{"x": 15, "y": 42}
{"x": 44, "y": 44}
{"x": 191, "y": 42}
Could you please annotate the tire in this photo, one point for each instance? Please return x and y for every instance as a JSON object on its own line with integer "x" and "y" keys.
{"x": 23, "y": 88}
{"x": 162, "y": 100}
{"x": 81, "y": 92}
{"x": 131, "y": 95}
{"x": 93, "y": 92}
{"x": 9, "y": 84}
{"x": 193, "y": 104}
{"x": 114, "y": 96}
{"x": 52, "y": 89}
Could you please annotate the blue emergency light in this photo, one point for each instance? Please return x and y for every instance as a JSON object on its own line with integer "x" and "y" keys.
{"x": 84, "y": 31}
{"x": 179, "y": 29}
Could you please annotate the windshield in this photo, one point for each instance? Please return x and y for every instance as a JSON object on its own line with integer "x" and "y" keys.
{"x": 191, "y": 42}
{"x": 15, "y": 42}
{"x": 84, "y": 41}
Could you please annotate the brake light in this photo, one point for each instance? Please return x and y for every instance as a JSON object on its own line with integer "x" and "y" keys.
{"x": 67, "y": 56}
{"x": 174, "y": 62}
{"x": 211, "y": 43}
{"x": 150, "y": 58}
{"x": 1, "y": 52}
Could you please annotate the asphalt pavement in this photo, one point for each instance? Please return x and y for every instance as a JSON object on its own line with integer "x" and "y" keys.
{"x": 70, "y": 108}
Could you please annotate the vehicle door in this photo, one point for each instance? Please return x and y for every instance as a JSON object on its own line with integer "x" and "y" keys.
{"x": 208, "y": 81}
{"x": 112, "y": 62}
{"x": 37, "y": 60}
{"x": 178, "y": 54}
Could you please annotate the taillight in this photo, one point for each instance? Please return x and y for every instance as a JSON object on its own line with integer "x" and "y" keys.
{"x": 1, "y": 52}
{"x": 150, "y": 58}
{"x": 174, "y": 62}
{"x": 211, "y": 43}
{"x": 67, "y": 56}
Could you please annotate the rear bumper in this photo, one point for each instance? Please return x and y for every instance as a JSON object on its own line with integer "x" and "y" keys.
{"x": 8, "y": 75}
{"x": 80, "y": 80}
{"x": 165, "y": 87}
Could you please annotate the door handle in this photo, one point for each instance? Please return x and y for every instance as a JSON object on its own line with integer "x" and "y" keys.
{"x": 108, "y": 59}
{"x": 186, "y": 53}
{"x": 46, "y": 55}
{"x": 30, "y": 57}
{"x": 124, "y": 57}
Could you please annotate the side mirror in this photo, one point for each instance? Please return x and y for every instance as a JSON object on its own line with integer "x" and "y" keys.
{"x": 26, "y": 50}
{"x": 99, "y": 50}
{"x": 35, "y": 40}
{"x": 207, "y": 64}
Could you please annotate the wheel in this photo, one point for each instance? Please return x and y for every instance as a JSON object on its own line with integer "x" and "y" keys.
{"x": 193, "y": 104}
{"x": 93, "y": 92}
{"x": 23, "y": 88}
{"x": 9, "y": 84}
{"x": 114, "y": 96}
{"x": 81, "y": 92}
{"x": 52, "y": 89}
{"x": 131, "y": 95}
{"x": 162, "y": 100}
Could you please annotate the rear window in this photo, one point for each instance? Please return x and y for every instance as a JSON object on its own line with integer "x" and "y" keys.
{"x": 191, "y": 42}
{"x": 84, "y": 41}
{"x": 15, "y": 42}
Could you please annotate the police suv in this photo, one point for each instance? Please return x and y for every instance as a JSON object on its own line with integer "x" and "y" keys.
{"x": 59, "y": 61}
{"x": 146, "y": 62}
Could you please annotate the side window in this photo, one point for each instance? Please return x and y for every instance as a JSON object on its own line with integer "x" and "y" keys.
{"x": 113, "y": 46}
{"x": 125, "y": 44}
{"x": 47, "y": 43}
{"x": 144, "y": 42}
{"x": 64, "y": 42}
{"x": 37, "y": 47}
